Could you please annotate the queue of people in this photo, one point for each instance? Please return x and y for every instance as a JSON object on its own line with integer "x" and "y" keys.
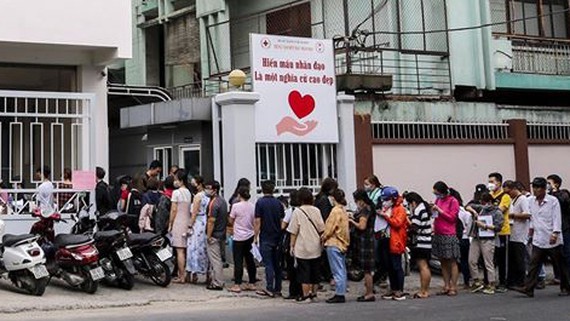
{"x": 497, "y": 241}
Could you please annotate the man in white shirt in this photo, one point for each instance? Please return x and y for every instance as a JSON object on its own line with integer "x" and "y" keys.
{"x": 545, "y": 229}
{"x": 45, "y": 190}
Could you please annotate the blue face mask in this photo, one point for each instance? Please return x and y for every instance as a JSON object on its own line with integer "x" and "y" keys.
{"x": 438, "y": 196}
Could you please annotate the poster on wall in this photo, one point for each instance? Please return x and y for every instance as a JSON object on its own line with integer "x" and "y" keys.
{"x": 295, "y": 78}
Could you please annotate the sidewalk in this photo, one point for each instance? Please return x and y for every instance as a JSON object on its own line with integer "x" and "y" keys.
{"x": 59, "y": 296}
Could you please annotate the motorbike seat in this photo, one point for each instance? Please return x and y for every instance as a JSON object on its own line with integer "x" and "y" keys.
{"x": 11, "y": 240}
{"x": 141, "y": 238}
{"x": 107, "y": 235}
{"x": 63, "y": 240}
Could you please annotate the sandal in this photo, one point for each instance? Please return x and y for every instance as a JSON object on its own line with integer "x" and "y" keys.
{"x": 178, "y": 280}
{"x": 235, "y": 289}
{"x": 420, "y": 296}
{"x": 365, "y": 299}
{"x": 250, "y": 287}
{"x": 265, "y": 293}
{"x": 443, "y": 292}
{"x": 452, "y": 293}
{"x": 214, "y": 287}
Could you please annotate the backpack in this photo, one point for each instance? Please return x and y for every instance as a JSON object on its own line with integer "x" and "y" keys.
{"x": 161, "y": 215}
{"x": 133, "y": 209}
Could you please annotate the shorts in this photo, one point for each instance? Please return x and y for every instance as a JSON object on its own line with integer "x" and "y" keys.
{"x": 308, "y": 271}
{"x": 421, "y": 254}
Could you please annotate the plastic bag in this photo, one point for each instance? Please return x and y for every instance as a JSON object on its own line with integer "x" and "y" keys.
{"x": 256, "y": 253}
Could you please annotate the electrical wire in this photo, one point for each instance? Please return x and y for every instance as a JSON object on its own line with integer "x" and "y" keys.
{"x": 486, "y": 25}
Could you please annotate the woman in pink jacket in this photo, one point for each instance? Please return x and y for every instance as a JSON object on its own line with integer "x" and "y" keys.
{"x": 445, "y": 244}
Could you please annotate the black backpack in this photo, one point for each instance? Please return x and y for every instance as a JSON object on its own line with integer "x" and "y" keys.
{"x": 161, "y": 215}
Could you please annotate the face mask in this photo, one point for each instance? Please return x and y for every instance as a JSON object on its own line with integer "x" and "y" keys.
{"x": 492, "y": 187}
{"x": 549, "y": 187}
{"x": 438, "y": 196}
{"x": 405, "y": 203}
{"x": 331, "y": 200}
{"x": 387, "y": 204}
{"x": 177, "y": 184}
{"x": 368, "y": 188}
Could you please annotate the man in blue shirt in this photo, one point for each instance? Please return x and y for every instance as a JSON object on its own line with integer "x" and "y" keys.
{"x": 268, "y": 216}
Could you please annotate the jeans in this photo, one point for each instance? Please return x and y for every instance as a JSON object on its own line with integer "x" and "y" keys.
{"x": 396, "y": 273}
{"x": 382, "y": 256}
{"x": 242, "y": 250}
{"x": 501, "y": 253}
{"x": 214, "y": 250}
{"x": 271, "y": 254}
{"x": 538, "y": 257}
{"x": 337, "y": 262}
{"x": 464, "y": 245}
{"x": 517, "y": 264}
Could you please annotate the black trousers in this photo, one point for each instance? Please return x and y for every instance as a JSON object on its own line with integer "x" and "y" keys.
{"x": 294, "y": 285}
{"x": 517, "y": 264}
{"x": 242, "y": 250}
{"x": 538, "y": 258}
{"x": 501, "y": 255}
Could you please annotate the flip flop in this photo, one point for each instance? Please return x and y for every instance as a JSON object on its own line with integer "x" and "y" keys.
{"x": 443, "y": 292}
{"x": 452, "y": 293}
{"x": 178, "y": 281}
{"x": 234, "y": 289}
{"x": 265, "y": 293}
{"x": 419, "y": 296}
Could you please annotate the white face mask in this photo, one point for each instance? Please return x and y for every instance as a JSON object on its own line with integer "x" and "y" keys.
{"x": 177, "y": 184}
{"x": 387, "y": 204}
{"x": 331, "y": 200}
{"x": 405, "y": 203}
{"x": 492, "y": 187}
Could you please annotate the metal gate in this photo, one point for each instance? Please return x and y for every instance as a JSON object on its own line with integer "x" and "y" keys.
{"x": 40, "y": 129}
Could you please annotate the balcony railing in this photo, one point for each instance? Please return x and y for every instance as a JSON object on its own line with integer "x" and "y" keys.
{"x": 541, "y": 56}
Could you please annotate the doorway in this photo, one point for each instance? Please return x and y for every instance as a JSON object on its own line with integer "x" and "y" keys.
{"x": 189, "y": 157}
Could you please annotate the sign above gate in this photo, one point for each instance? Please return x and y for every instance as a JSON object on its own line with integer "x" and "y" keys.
{"x": 296, "y": 80}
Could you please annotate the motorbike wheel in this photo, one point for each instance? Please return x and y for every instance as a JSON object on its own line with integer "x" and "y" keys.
{"x": 89, "y": 286}
{"x": 127, "y": 282}
{"x": 38, "y": 286}
{"x": 159, "y": 271}
{"x": 29, "y": 283}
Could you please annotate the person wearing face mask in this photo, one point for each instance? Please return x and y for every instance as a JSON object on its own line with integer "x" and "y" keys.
{"x": 421, "y": 229}
{"x": 445, "y": 244}
{"x": 563, "y": 196}
{"x": 325, "y": 203}
{"x": 487, "y": 221}
{"x": 373, "y": 188}
{"x": 364, "y": 242}
{"x": 503, "y": 201}
{"x": 395, "y": 214}
{"x": 197, "y": 262}
{"x": 179, "y": 222}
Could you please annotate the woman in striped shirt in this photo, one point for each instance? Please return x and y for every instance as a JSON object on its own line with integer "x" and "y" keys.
{"x": 421, "y": 231}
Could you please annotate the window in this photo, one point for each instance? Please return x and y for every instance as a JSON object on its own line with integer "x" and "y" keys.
{"x": 164, "y": 155}
{"x": 190, "y": 159}
{"x": 538, "y": 20}
{"x": 291, "y": 21}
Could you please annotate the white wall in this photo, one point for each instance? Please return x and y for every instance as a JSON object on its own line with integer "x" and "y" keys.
{"x": 418, "y": 167}
{"x": 550, "y": 159}
{"x": 101, "y": 23}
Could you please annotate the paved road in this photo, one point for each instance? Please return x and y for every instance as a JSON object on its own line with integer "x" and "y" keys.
{"x": 465, "y": 307}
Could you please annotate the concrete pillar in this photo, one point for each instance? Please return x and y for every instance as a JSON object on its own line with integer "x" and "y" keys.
{"x": 363, "y": 147}
{"x": 518, "y": 132}
{"x": 346, "y": 146}
{"x": 93, "y": 80}
{"x": 238, "y": 138}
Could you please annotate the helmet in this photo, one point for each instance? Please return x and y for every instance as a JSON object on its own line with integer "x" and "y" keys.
{"x": 389, "y": 192}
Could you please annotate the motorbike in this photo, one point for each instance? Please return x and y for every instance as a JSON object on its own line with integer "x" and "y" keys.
{"x": 22, "y": 261}
{"x": 152, "y": 253}
{"x": 72, "y": 258}
{"x": 115, "y": 257}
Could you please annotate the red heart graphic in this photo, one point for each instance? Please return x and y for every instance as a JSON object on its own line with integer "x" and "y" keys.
{"x": 302, "y": 106}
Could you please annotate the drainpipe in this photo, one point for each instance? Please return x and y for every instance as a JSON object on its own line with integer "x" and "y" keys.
{"x": 488, "y": 47}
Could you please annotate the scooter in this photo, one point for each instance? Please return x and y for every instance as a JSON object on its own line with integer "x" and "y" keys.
{"x": 22, "y": 261}
{"x": 115, "y": 257}
{"x": 72, "y": 258}
{"x": 152, "y": 254}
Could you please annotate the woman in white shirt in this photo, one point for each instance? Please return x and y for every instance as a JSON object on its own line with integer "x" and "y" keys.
{"x": 179, "y": 222}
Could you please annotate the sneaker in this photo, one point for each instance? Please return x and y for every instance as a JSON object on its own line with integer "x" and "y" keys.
{"x": 501, "y": 289}
{"x": 477, "y": 286}
{"x": 388, "y": 296}
{"x": 399, "y": 296}
{"x": 489, "y": 290}
{"x": 337, "y": 299}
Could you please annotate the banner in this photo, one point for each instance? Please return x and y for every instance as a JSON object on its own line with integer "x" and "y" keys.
{"x": 296, "y": 80}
